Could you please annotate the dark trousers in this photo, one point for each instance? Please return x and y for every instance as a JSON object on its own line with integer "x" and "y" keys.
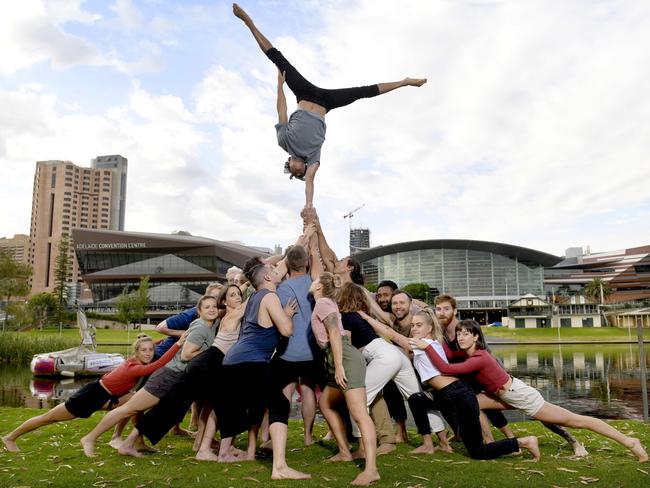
{"x": 420, "y": 403}
{"x": 462, "y": 402}
{"x": 250, "y": 389}
{"x": 200, "y": 382}
{"x": 395, "y": 402}
{"x": 305, "y": 90}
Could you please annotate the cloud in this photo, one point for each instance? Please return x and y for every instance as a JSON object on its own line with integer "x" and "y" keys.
{"x": 128, "y": 14}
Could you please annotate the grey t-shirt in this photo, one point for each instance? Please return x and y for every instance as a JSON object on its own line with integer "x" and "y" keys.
{"x": 199, "y": 334}
{"x": 298, "y": 348}
{"x": 303, "y": 135}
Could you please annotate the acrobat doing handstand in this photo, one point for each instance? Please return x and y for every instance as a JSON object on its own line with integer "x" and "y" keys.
{"x": 302, "y": 135}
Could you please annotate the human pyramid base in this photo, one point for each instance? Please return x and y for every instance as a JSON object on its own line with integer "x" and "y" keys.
{"x": 303, "y": 321}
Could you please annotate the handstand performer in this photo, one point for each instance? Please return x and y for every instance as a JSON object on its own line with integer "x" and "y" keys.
{"x": 302, "y": 135}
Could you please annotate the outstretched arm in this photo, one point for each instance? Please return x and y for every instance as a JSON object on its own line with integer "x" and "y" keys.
{"x": 282, "y": 101}
{"x": 326, "y": 254}
{"x": 310, "y": 174}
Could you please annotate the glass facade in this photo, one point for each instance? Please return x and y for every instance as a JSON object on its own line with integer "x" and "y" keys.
{"x": 477, "y": 279}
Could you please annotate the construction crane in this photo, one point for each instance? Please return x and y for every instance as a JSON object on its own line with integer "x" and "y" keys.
{"x": 351, "y": 213}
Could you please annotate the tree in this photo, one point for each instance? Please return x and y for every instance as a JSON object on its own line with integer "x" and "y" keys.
{"x": 13, "y": 277}
{"x": 132, "y": 307}
{"x": 371, "y": 287}
{"x": 42, "y": 308}
{"x": 417, "y": 290}
{"x": 598, "y": 290}
{"x": 61, "y": 271}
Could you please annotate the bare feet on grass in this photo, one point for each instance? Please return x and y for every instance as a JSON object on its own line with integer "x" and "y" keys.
{"x": 366, "y": 478}
{"x": 340, "y": 457}
{"x": 206, "y": 456}
{"x": 424, "y": 449}
{"x": 10, "y": 445}
{"x": 637, "y": 449}
{"x": 579, "y": 451}
{"x": 129, "y": 451}
{"x": 385, "y": 449}
{"x": 115, "y": 442}
{"x": 287, "y": 473}
{"x": 532, "y": 445}
{"x": 88, "y": 447}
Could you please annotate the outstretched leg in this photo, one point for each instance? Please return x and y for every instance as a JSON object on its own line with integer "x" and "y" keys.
{"x": 57, "y": 414}
{"x": 262, "y": 41}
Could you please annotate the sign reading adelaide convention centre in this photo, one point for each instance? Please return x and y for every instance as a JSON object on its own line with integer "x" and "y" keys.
{"x": 110, "y": 245}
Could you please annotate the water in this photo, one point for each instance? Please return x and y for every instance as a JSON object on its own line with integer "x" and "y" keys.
{"x": 603, "y": 381}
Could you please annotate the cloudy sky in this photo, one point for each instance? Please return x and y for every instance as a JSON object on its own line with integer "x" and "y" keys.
{"x": 532, "y": 130}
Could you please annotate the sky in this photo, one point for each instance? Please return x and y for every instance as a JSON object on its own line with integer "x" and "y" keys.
{"x": 533, "y": 128}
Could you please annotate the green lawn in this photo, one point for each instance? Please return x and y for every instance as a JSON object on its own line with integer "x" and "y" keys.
{"x": 565, "y": 334}
{"x": 53, "y": 457}
{"x": 104, "y": 336}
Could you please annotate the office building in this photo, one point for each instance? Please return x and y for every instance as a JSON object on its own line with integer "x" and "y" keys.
{"x": 67, "y": 196}
{"x": 17, "y": 246}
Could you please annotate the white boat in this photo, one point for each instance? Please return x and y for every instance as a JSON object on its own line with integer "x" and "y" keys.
{"x": 83, "y": 360}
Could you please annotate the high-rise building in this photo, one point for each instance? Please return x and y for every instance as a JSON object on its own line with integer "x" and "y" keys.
{"x": 68, "y": 196}
{"x": 359, "y": 240}
{"x": 18, "y": 247}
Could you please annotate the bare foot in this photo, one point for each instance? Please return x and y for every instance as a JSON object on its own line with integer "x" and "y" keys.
{"x": 424, "y": 450}
{"x": 340, "y": 457}
{"x": 385, "y": 449}
{"x": 308, "y": 441}
{"x": 266, "y": 445}
{"x": 414, "y": 81}
{"x": 532, "y": 445}
{"x": 637, "y": 449}
{"x": 240, "y": 13}
{"x": 445, "y": 448}
{"x": 88, "y": 446}
{"x": 579, "y": 450}
{"x": 287, "y": 473}
{"x": 236, "y": 452}
{"x": 184, "y": 432}
{"x": 115, "y": 442}
{"x": 206, "y": 456}
{"x": 129, "y": 451}
{"x": 142, "y": 447}
{"x": 359, "y": 454}
{"x": 328, "y": 437}
{"x": 365, "y": 478}
{"x": 228, "y": 458}
{"x": 10, "y": 445}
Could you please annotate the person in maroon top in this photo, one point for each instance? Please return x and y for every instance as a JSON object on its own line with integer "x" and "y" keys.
{"x": 511, "y": 392}
{"x": 111, "y": 390}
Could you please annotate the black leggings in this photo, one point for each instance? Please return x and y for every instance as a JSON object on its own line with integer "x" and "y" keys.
{"x": 395, "y": 402}
{"x": 250, "y": 389}
{"x": 304, "y": 90}
{"x": 199, "y": 383}
{"x": 462, "y": 402}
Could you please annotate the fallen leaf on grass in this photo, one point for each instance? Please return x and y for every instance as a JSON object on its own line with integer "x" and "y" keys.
{"x": 460, "y": 462}
{"x": 63, "y": 466}
{"x": 642, "y": 470}
{"x": 250, "y": 478}
{"x": 567, "y": 470}
{"x": 420, "y": 477}
{"x": 585, "y": 480}
{"x": 535, "y": 471}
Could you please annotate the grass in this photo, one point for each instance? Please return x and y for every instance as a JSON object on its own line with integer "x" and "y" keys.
{"x": 565, "y": 334}
{"x": 18, "y": 347}
{"x": 52, "y": 457}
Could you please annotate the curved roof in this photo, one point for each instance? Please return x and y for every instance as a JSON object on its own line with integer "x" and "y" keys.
{"x": 523, "y": 254}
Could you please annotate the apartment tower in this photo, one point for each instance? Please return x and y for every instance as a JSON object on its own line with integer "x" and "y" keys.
{"x": 68, "y": 196}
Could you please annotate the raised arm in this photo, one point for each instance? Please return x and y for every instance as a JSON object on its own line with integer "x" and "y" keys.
{"x": 310, "y": 175}
{"x": 315, "y": 264}
{"x": 327, "y": 255}
{"x": 282, "y": 101}
{"x": 376, "y": 310}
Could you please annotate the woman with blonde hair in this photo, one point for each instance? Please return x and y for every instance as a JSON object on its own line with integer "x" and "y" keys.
{"x": 199, "y": 337}
{"x": 511, "y": 392}
{"x": 346, "y": 377}
{"x": 458, "y": 400}
{"x": 110, "y": 390}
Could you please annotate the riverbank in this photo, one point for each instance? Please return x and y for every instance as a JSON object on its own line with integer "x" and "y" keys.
{"x": 53, "y": 456}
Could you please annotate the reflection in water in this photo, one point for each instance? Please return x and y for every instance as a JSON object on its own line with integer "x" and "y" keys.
{"x": 603, "y": 382}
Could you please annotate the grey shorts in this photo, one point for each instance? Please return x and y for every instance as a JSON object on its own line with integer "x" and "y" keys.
{"x": 523, "y": 397}
{"x": 353, "y": 363}
{"x": 162, "y": 381}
